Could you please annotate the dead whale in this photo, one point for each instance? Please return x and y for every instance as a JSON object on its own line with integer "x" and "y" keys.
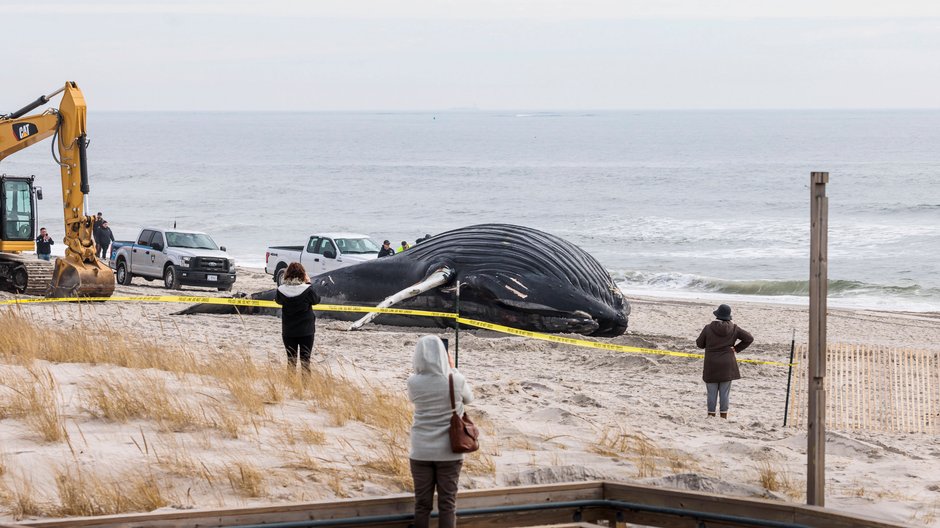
{"x": 507, "y": 274}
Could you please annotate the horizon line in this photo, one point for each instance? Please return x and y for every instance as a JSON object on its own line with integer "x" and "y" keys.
{"x": 535, "y": 111}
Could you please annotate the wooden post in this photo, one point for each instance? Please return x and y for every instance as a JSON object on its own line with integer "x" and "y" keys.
{"x": 818, "y": 290}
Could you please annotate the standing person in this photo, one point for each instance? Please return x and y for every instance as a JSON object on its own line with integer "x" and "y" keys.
{"x": 98, "y": 220}
{"x": 44, "y": 244}
{"x": 386, "y": 250}
{"x": 721, "y": 340}
{"x": 103, "y": 238}
{"x": 298, "y": 322}
{"x": 433, "y": 463}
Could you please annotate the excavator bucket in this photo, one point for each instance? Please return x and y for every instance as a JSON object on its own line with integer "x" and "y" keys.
{"x": 75, "y": 278}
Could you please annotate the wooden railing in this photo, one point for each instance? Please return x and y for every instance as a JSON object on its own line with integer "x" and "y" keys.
{"x": 667, "y": 508}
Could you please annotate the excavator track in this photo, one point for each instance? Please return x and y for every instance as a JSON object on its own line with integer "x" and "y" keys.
{"x": 38, "y": 274}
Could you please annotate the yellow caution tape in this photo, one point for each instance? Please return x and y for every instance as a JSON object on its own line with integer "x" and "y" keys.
{"x": 394, "y": 311}
{"x": 595, "y": 344}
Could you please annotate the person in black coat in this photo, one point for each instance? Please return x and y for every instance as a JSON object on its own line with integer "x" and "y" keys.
{"x": 298, "y": 321}
{"x": 722, "y": 340}
{"x": 44, "y": 244}
{"x": 103, "y": 239}
{"x": 386, "y": 250}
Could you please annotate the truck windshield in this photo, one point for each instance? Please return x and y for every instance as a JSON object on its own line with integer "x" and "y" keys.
{"x": 357, "y": 245}
{"x": 190, "y": 240}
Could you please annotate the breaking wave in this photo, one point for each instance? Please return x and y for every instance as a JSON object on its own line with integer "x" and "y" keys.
{"x": 771, "y": 288}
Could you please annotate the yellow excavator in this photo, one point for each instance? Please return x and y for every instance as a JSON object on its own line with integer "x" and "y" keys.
{"x": 79, "y": 273}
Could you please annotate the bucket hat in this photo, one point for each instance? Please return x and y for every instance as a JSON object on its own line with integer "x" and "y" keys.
{"x": 723, "y": 312}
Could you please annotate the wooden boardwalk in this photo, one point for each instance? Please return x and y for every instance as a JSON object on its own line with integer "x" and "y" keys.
{"x": 597, "y": 503}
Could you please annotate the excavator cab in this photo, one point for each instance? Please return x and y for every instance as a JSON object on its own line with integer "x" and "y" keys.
{"x": 18, "y": 203}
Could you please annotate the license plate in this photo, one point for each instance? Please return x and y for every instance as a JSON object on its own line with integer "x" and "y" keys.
{"x": 211, "y": 278}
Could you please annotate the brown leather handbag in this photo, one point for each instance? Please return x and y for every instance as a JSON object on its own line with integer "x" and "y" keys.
{"x": 464, "y": 435}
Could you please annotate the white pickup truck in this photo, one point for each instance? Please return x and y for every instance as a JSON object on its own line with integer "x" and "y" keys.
{"x": 322, "y": 253}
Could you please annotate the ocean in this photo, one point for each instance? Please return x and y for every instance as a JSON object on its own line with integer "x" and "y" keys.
{"x": 704, "y": 204}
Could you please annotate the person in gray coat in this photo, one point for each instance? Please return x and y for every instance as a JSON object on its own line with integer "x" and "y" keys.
{"x": 433, "y": 463}
{"x": 722, "y": 340}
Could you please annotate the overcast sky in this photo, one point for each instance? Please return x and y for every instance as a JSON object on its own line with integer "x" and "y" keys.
{"x": 281, "y": 55}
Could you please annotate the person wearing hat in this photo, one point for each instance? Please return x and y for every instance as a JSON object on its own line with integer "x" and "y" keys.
{"x": 404, "y": 245}
{"x": 386, "y": 250}
{"x": 722, "y": 340}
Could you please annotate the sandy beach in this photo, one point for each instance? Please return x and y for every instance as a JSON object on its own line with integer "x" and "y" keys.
{"x": 550, "y": 412}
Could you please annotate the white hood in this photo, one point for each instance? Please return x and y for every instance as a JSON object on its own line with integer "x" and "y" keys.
{"x": 357, "y": 257}
{"x": 292, "y": 290}
{"x": 431, "y": 357}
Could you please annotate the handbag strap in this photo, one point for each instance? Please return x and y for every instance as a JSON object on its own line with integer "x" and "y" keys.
{"x": 450, "y": 379}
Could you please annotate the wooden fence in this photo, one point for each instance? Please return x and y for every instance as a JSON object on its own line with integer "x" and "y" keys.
{"x": 873, "y": 389}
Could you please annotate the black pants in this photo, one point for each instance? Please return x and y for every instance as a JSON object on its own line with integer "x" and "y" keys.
{"x": 298, "y": 346}
{"x": 443, "y": 475}
{"x": 102, "y": 251}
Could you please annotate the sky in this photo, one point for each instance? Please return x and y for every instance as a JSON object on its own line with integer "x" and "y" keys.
{"x": 403, "y": 55}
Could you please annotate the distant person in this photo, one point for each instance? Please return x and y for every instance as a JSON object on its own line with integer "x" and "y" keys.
{"x": 44, "y": 244}
{"x": 433, "y": 462}
{"x": 404, "y": 245}
{"x": 386, "y": 250}
{"x": 103, "y": 239}
{"x": 298, "y": 321}
{"x": 98, "y": 220}
{"x": 422, "y": 239}
{"x": 721, "y": 340}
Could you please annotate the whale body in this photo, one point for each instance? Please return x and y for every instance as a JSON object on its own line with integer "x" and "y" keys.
{"x": 507, "y": 274}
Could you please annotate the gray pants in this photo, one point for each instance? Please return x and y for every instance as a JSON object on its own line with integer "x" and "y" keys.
{"x": 444, "y": 475}
{"x": 715, "y": 390}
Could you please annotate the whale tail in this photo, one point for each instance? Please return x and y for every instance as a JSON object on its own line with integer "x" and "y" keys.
{"x": 438, "y": 278}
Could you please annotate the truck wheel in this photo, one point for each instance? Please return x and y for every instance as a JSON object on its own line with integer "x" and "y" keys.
{"x": 171, "y": 279}
{"x": 122, "y": 276}
{"x": 279, "y": 276}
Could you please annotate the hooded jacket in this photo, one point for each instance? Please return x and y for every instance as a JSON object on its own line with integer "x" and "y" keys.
{"x": 717, "y": 339}
{"x": 429, "y": 390}
{"x": 297, "y": 316}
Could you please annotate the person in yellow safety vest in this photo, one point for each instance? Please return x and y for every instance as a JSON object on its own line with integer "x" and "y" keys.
{"x": 404, "y": 245}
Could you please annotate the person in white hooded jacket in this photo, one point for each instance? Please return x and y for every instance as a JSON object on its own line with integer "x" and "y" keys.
{"x": 298, "y": 322}
{"x": 433, "y": 463}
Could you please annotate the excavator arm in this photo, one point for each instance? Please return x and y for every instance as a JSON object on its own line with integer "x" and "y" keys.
{"x": 79, "y": 273}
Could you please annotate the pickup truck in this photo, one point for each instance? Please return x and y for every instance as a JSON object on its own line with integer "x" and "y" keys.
{"x": 322, "y": 253}
{"x": 179, "y": 257}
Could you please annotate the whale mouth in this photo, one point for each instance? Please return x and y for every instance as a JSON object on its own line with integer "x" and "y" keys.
{"x": 573, "y": 323}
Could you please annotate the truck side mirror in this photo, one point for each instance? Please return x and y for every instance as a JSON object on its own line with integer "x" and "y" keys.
{"x": 39, "y": 193}
{"x": 221, "y": 248}
{"x": 330, "y": 254}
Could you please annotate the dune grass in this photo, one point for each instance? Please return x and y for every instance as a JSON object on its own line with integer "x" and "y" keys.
{"x": 205, "y": 396}
{"x": 33, "y": 396}
{"x": 774, "y": 476}
{"x": 647, "y": 457}
{"x": 245, "y": 478}
{"x": 84, "y": 493}
{"x": 21, "y": 498}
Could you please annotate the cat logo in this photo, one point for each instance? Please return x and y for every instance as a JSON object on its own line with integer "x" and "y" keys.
{"x": 24, "y": 130}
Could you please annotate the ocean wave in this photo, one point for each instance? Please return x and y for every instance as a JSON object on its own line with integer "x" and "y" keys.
{"x": 769, "y": 288}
